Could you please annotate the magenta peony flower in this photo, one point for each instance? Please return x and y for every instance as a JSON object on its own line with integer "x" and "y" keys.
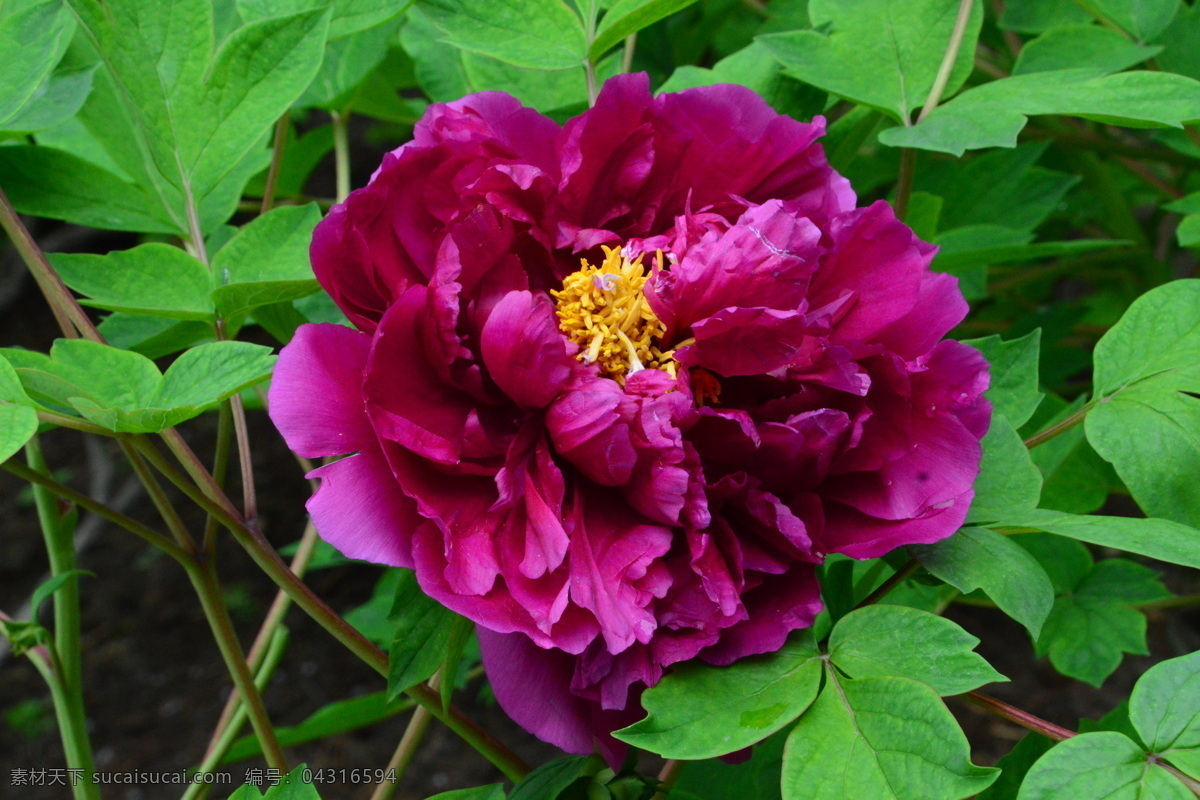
{"x": 618, "y": 386}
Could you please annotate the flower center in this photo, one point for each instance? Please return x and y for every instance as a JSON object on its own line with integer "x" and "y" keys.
{"x": 604, "y": 310}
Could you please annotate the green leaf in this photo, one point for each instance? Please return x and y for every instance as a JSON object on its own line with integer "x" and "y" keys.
{"x": 255, "y": 76}
{"x": 1165, "y": 710}
{"x": 1038, "y": 16}
{"x": 18, "y": 421}
{"x": 1103, "y": 764}
{"x": 57, "y": 100}
{"x": 699, "y": 710}
{"x": 267, "y": 261}
{"x": 754, "y": 68}
{"x": 1159, "y": 333}
{"x": 539, "y": 34}
{"x": 423, "y": 628}
{"x": 33, "y": 37}
{"x": 1004, "y": 187}
{"x": 348, "y": 16}
{"x": 629, "y": 16}
{"x": 886, "y": 640}
{"x": 1008, "y": 479}
{"x": 184, "y": 121}
{"x": 493, "y": 792}
{"x": 329, "y": 720}
{"x": 540, "y": 89}
{"x": 1090, "y": 628}
{"x": 1081, "y": 46}
{"x": 125, "y": 392}
{"x": 460, "y": 632}
{"x": 1014, "y": 367}
{"x": 879, "y": 739}
{"x": 348, "y": 61}
{"x": 550, "y": 779}
{"x": 152, "y": 279}
{"x": 880, "y": 53}
{"x": 713, "y": 779}
{"x": 1075, "y": 479}
{"x": 1182, "y": 42}
{"x": 1142, "y": 19}
{"x": 1147, "y": 419}
{"x": 44, "y": 182}
{"x": 1155, "y": 538}
{"x": 153, "y": 337}
{"x": 47, "y": 588}
{"x": 993, "y": 114}
{"x": 979, "y": 558}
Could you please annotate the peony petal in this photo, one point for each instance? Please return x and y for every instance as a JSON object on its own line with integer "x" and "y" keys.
{"x": 361, "y": 511}
{"x": 316, "y": 398}
{"x": 778, "y": 606}
{"x": 407, "y": 400}
{"x": 858, "y": 535}
{"x": 526, "y": 354}
{"x": 746, "y": 341}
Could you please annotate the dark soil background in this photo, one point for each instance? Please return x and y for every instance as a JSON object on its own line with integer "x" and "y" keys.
{"x": 155, "y": 684}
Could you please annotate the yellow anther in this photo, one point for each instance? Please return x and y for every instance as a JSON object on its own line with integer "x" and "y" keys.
{"x": 604, "y": 311}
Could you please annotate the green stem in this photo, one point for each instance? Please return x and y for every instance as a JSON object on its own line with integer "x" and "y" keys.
{"x": 67, "y": 310}
{"x": 72, "y": 724}
{"x": 229, "y": 734}
{"x": 260, "y": 650}
{"x": 627, "y": 55}
{"x": 64, "y": 670}
{"x": 948, "y": 59}
{"x": 220, "y": 467}
{"x": 277, "y": 148}
{"x": 99, "y": 509}
{"x": 413, "y": 733}
{"x": 204, "y": 579}
{"x": 1059, "y": 427}
{"x": 341, "y": 153}
{"x": 60, "y": 546}
{"x": 245, "y": 463}
{"x": 159, "y": 498}
{"x": 73, "y": 423}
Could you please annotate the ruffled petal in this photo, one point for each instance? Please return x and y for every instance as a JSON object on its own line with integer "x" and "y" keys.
{"x": 361, "y": 511}
{"x": 526, "y": 354}
{"x": 316, "y": 398}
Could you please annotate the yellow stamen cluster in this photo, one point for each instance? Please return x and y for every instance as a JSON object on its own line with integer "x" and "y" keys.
{"x": 603, "y": 310}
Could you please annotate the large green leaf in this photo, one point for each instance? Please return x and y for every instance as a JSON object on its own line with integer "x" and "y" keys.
{"x": 1081, "y": 46}
{"x": 880, "y": 53}
{"x": 1165, "y": 710}
{"x": 1156, "y": 538}
{"x": 1090, "y": 627}
{"x": 180, "y": 119}
{"x": 551, "y": 779}
{"x": 979, "y": 558}
{"x": 1147, "y": 420}
{"x": 1102, "y": 764}
{"x": 46, "y": 182}
{"x": 1074, "y": 477}
{"x": 34, "y": 34}
{"x": 993, "y": 114}
{"x": 753, "y": 67}
{"x": 266, "y": 262}
{"x": 18, "y": 421}
{"x": 629, "y": 16}
{"x": 699, "y": 711}
{"x": 539, "y": 34}
{"x": 58, "y": 99}
{"x": 1014, "y": 368}
{"x": 347, "y": 16}
{"x": 1142, "y": 19}
{"x": 123, "y": 391}
{"x": 151, "y": 279}
{"x": 887, "y": 640}
{"x": 879, "y": 739}
{"x": 1008, "y": 479}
